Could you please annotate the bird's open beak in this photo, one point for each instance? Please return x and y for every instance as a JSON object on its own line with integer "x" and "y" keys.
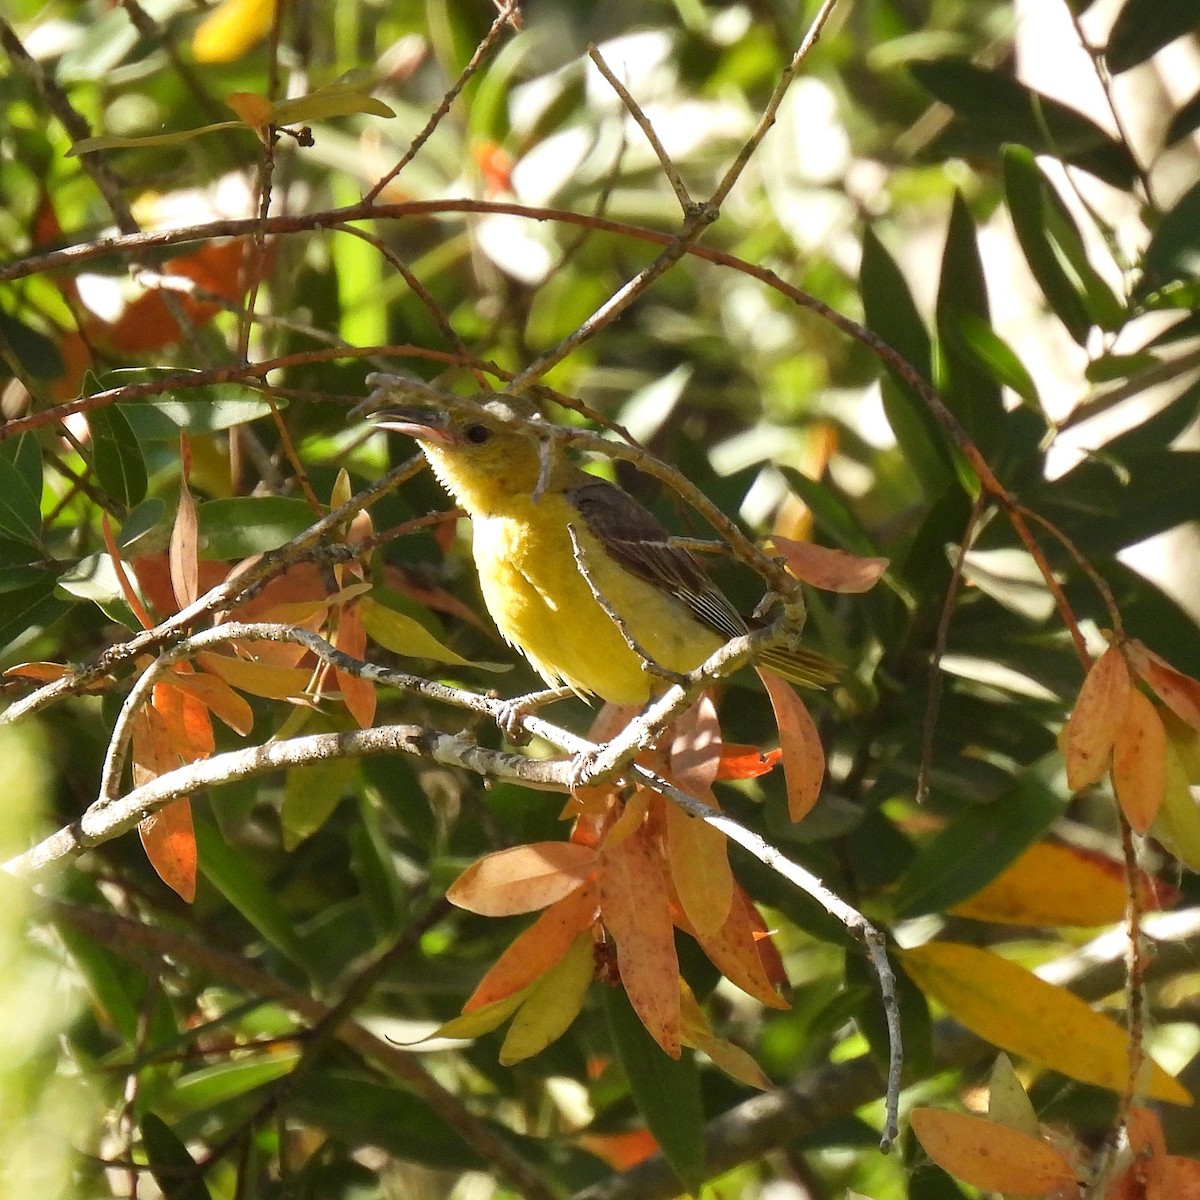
{"x": 420, "y": 423}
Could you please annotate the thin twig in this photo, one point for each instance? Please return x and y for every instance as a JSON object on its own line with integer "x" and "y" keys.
{"x": 503, "y": 19}
{"x": 670, "y": 170}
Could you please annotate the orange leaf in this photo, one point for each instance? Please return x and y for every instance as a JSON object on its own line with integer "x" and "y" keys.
{"x": 153, "y": 751}
{"x": 746, "y": 762}
{"x": 699, "y": 860}
{"x": 803, "y": 755}
{"x": 1140, "y": 762}
{"x": 186, "y": 721}
{"x": 635, "y": 906}
{"x": 218, "y": 697}
{"x": 537, "y": 949}
{"x": 829, "y": 570}
{"x": 1143, "y": 1178}
{"x": 620, "y": 1150}
{"x": 184, "y": 556}
{"x": 257, "y": 678}
{"x": 251, "y": 108}
{"x": 695, "y": 752}
{"x": 43, "y": 672}
{"x": 1179, "y": 692}
{"x": 742, "y": 956}
{"x": 1181, "y": 1178}
{"x": 1093, "y": 725}
{"x": 522, "y": 879}
{"x": 170, "y": 844}
{"x": 357, "y": 694}
{"x": 1013, "y": 1009}
{"x": 990, "y": 1156}
{"x": 1052, "y": 884}
{"x": 123, "y": 580}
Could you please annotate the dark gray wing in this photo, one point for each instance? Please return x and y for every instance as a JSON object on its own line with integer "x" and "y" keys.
{"x": 638, "y": 541}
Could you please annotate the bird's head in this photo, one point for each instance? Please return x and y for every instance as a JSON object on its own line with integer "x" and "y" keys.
{"x": 477, "y": 452}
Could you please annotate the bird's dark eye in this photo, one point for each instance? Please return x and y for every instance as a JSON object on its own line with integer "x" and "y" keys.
{"x": 477, "y": 434}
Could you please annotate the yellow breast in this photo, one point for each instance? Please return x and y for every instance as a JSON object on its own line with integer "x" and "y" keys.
{"x": 543, "y": 605}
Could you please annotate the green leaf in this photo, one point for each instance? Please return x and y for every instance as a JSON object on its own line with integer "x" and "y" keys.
{"x": 204, "y": 410}
{"x": 116, "y": 456}
{"x": 245, "y": 525}
{"x": 310, "y": 794}
{"x": 200, "y": 1090}
{"x": 142, "y": 521}
{"x": 29, "y": 610}
{"x": 971, "y": 851}
{"x": 405, "y": 635}
{"x": 891, "y": 312}
{"x": 37, "y": 355}
{"x": 336, "y": 100}
{"x": 359, "y": 1111}
{"x": 1143, "y": 27}
{"x": 236, "y": 878}
{"x": 173, "y": 1168}
{"x": 90, "y": 145}
{"x": 1108, "y": 506}
{"x": 995, "y": 108}
{"x": 970, "y": 393}
{"x": 666, "y": 1090}
{"x": 21, "y": 489}
{"x": 993, "y": 355}
{"x": 1174, "y": 249}
{"x": 1027, "y": 194}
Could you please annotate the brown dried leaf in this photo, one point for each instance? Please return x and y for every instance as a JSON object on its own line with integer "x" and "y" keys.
{"x": 803, "y": 754}
{"x": 522, "y": 879}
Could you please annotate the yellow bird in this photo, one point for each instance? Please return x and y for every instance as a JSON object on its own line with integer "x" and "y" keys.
{"x": 548, "y": 536}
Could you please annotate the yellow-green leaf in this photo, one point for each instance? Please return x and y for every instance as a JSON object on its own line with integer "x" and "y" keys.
{"x": 481, "y": 1020}
{"x": 1013, "y": 1009}
{"x": 403, "y": 635}
{"x": 336, "y": 100}
{"x": 310, "y": 794}
{"x": 553, "y": 1003}
{"x": 111, "y": 142}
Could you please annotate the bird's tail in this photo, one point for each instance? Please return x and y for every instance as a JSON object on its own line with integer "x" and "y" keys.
{"x": 807, "y": 668}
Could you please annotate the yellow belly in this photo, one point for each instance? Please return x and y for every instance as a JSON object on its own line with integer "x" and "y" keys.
{"x": 542, "y": 604}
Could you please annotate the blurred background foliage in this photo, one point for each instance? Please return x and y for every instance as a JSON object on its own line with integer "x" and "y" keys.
{"x": 1016, "y": 217}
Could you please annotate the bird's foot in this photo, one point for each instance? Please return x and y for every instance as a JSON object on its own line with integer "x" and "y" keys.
{"x": 510, "y": 717}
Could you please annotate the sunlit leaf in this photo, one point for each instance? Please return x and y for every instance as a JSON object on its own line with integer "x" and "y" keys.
{"x": 699, "y": 860}
{"x": 170, "y": 845}
{"x": 1054, "y": 884}
{"x": 635, "y": 906}
{"x": 552, "y": 1004}
{"x": 231, "y": 29}
{"x": 538, "y": 949}
{"x": 402, "y": 634}
{"x": 803, "y": 754}
{"x": 522, "y": 879}
{"x": 1015, "y": 1010}
{"x": 990, "y": 1156}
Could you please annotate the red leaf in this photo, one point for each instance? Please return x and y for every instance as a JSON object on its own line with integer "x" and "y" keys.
{"x": 746, "y": 762}
{"x": 358, "y": 694}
